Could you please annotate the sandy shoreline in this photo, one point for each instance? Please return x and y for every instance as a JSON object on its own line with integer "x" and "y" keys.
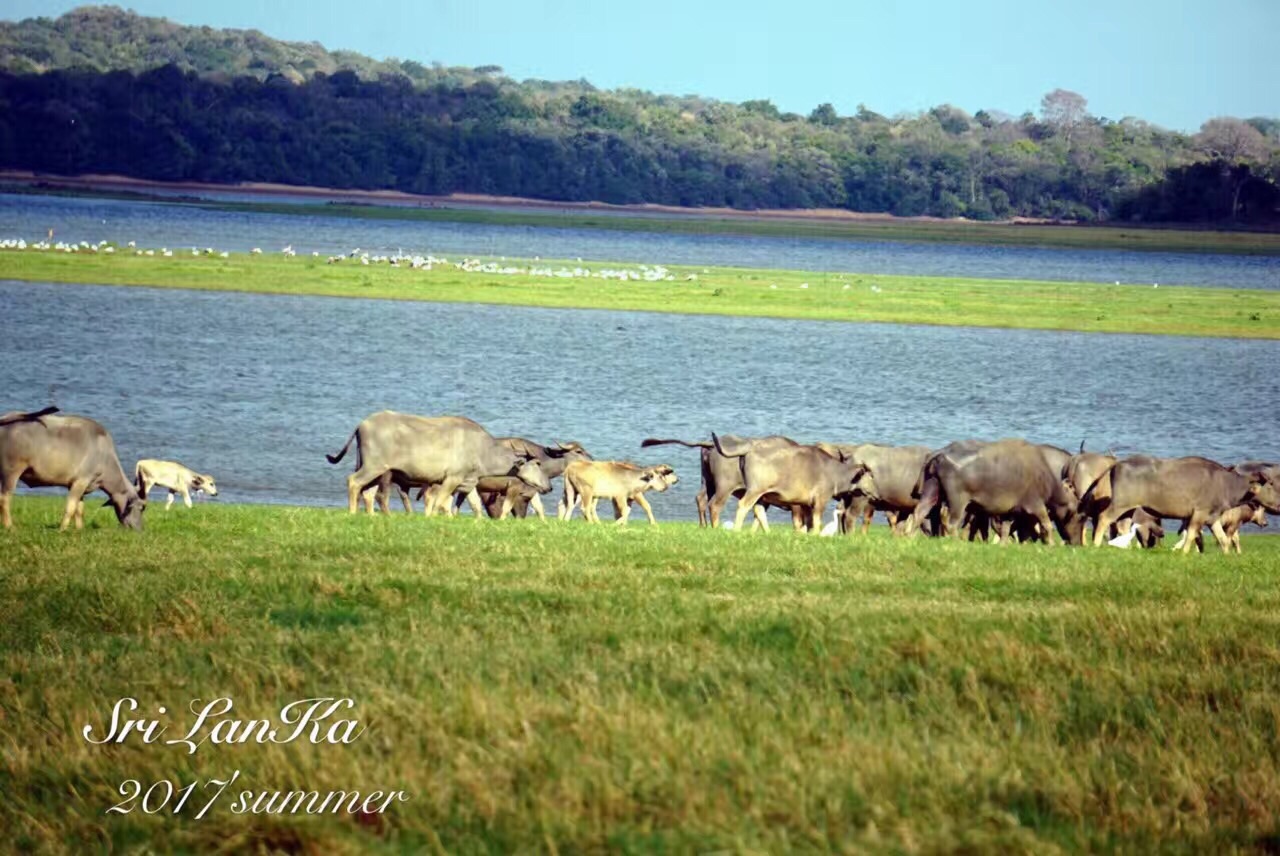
{"x": 455, "y": 200}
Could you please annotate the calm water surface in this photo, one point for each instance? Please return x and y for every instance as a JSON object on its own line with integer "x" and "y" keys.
{"x": 255, "y": 389}
{"x": 157, "y": 225}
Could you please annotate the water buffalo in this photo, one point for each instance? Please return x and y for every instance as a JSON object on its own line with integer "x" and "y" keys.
{"x": 1193, "y": 489}
{"x": 1269, "y": 470}
{"x": 1083, "y": 470}
{"x": 894, "y": 473}
{"x": 1006, "y": 479}
{"x": 149, "y": 473}
{"x": 807, "y": 477}
{"x": 722, "y": 475}
{"x": 45, "y": 450}
{"x": 450, "y": 451}
{"x": 928, "y": 491}
{"x": 1232, "y": 519}
{"x": 620, "y": 481}
{"x": 502, "y": 495}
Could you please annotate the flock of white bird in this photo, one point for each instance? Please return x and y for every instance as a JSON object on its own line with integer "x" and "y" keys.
{"x": 415, "y": 261}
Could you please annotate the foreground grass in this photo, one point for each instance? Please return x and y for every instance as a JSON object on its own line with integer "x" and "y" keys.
{"x": 1182, "y": 240}
{"x": 572, "y": 689}
{"x": 1241, "y": 313}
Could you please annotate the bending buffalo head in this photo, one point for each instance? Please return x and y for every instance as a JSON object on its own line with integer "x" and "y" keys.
{"x": 129, "y": 510}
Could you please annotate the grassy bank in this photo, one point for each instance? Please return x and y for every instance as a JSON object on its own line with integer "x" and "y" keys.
{"x": 1181, "y": 240}
{"x": 581, "y": 689}
{"x": 716, "y": 291}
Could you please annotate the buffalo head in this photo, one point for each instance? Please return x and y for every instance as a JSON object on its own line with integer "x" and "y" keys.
{"x": 530, "y": 472}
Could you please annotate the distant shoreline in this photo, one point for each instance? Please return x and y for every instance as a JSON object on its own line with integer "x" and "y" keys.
{"x": 288, "y": 200}
{"x": 92, "y": 181}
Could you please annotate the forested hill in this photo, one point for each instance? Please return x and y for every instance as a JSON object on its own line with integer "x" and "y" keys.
{"x": 103, "y": 90}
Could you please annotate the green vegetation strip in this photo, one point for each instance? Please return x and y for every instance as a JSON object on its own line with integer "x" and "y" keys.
{"x": 591, "y": 689}
{"x": 1239, "y": 313}
{"x": 905, "y": 229}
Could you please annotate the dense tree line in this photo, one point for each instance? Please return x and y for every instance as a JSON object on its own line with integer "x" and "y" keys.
{"x": 404, "y": 126}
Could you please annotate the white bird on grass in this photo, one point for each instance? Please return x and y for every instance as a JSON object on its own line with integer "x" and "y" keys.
{"x": 1123, "y": 541}
{"x": 833, "y": 527}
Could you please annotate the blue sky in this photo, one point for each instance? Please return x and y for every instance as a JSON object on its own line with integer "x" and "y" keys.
{"x": 1175, "y": 63}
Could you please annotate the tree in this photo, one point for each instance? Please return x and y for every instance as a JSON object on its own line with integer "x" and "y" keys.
{"x": 1231, "y": 140}
{"x": 824, "y": 114}
{"x": 1233, "y": 144}
{"x": 1064, "y": 111}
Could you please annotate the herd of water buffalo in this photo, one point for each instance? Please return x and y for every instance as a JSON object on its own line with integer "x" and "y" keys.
{"x": 1004, "y": 489}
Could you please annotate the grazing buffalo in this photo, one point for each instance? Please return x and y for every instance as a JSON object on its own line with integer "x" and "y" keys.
{"x": 44, "y": 450}
{"x": 168, "y": 474}
{"x": 620, "y": 481}
{"x": 1008, "y": 480}
{"x": 452, "y": 452}
{"x": 806, "y": 477}
{"x": 1195, "y": 490}
{"x": 722, "y": 475}
{"x": 1084, "y": 469}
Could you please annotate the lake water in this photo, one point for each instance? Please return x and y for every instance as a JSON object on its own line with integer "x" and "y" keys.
{"x": 166, "y": 225}
{"x": 255, "y": 389}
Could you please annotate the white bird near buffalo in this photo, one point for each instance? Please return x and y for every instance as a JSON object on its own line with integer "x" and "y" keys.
{"x": 1123, "y": 541}
{"x": 833, "y": 527}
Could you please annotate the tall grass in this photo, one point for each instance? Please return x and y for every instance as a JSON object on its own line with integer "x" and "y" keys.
{"x": 573, "y": 688}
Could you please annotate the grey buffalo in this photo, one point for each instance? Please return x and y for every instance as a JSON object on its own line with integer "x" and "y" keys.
{"x": 895, "y": 472}
{"x": 41, "y": 449}
{"x": 1195, "y": 490}
{"x": 722, "y": 474}
{"x": 1083, "y": 470}
{"x": 1008, "y": 480}
{"x": 502, "y": 495}
{"x": 801, "y": 477}
{"x": 447, "y": 453}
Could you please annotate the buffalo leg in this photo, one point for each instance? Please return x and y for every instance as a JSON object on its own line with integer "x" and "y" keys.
{"x": 701, "y": 500}
{"x": 716, "y": 507}
{"x": 6, "y": 499}
{"x": 1106, "y": 519}
{"x": 644, "y": 503}
{"x": 74, "y": 493}
{"x": 1194, "y": 524}
{"x": 622, "y": 511}
{"x": 565, "y": 510}
{"x": 6, "y": 520}
{"x": 535, "y": 502}
{"x": 168, "y": 503}
{"x": 1046, "y": 526}
{"x": 1224, "y": 541}
{"x": 745, "y": 505}
{"x": 477, "y": 507}
{"x": 588, "y": 502}
{"x": 356, "y": 483}
{"x": 186, "y": 496}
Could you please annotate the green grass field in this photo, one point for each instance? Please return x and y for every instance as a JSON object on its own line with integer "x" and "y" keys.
{"x": 569, "y": 688}
{"x": 717, "y": 291}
